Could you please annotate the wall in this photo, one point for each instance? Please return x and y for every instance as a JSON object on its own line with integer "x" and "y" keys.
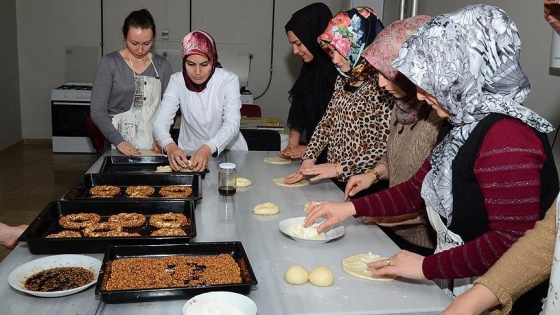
{"x": 10, "y": 120}
{"x": 536, "y": 37}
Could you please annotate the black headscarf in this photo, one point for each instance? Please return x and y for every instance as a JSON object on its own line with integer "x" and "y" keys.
{"x": 315, "y": 83}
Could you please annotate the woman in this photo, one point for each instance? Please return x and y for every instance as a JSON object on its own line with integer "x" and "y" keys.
{"x": 312, "y": 90}
{"x": 128, "y": 86}
{"x": 414, "y": 127}
{"x": 492, "y": 176}
{"x": 355, "y": 126}
{"x": 208, "y": 97}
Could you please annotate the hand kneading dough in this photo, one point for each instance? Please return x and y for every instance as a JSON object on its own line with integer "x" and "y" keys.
{"x": 277, "y": 160}
{"x": 308, "y": 233}
{"x": 280, "y": 182}
{"x": 357, "y": 266}
{"x": 267, "y": 208}
{"x": 321, "y": 277}
{"x": 296, "y": 275}
{"x": 242, "y": 182}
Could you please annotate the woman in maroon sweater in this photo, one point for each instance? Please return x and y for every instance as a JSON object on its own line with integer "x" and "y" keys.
{"x": 492, "y": 175}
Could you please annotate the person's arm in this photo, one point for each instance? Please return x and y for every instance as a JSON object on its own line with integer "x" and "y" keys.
{"x": 508, "y": 172}
{"x": 473, "y": 302}
{"x": 231, "y": 117}
{"x": 167, "y": 111}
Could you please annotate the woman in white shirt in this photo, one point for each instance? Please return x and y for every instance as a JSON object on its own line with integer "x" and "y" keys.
{"x": 208, "y": 97}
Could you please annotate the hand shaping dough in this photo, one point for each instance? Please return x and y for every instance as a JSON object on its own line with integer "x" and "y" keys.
{"x": 321, "y": 277}
{"x": 164, "y": 169}
{"x": 242, "y": 182}
{"x": 296, "y": 275}
{"x": 277, "y": 160}
{"x": 280, "y": 182}
{"x": 357, "y": 266}
{"x": 308, "y": 233}
{"x": 266, "y": 208}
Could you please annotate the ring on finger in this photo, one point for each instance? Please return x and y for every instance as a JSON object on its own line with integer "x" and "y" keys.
{"x": 387, "y": 262}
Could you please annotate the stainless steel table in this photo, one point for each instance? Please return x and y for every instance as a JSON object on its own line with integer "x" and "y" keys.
{"x": 270, "y": 253}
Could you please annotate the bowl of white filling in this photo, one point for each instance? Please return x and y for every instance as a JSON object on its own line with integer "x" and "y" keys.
{"x": 219, "y": 303}
{"x": 308, "y": 235}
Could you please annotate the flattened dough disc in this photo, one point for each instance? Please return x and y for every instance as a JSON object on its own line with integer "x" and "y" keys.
{"x": 277, "y": 160}
{"x": 280, "y": 182}
{"x": 357, "y": 266}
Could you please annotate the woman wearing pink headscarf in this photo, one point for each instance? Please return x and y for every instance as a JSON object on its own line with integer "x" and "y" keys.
{"x": 208, "y": 97}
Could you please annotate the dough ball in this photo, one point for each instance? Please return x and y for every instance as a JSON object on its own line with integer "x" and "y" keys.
{"x": 267, "y": 208}
{"x": 321, "y": 277}
{"x": 242, "y": 182}
{"x": 164, "y": 169}
{"x": 296, "y": 275}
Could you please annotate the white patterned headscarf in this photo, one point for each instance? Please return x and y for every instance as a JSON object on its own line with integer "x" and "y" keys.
{"x": 469, "y": 60}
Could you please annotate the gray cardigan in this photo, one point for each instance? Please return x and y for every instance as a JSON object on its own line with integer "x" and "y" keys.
{"x": 113, "y": 90}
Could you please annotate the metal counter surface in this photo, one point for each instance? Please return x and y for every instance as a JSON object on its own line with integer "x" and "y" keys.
{"x": 270, "y": 253}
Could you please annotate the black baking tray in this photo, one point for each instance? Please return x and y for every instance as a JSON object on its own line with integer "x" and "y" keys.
{"x": 81, "y": 189}
{"x": 234, "y": 248}
{"x": 47, "y": 223}
{"x": 139, "y": 164}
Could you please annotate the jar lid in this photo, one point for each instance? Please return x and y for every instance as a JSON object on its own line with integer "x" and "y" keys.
{"x": 228, "y": 166}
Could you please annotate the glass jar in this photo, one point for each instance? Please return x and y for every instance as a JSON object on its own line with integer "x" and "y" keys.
{"x": 227, "y": 176}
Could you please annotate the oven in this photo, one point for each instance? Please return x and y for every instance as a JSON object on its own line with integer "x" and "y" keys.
{"x": 70, "y": 105}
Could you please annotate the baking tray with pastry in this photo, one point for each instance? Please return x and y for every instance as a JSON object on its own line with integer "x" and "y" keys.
{"x": 173, "y": 271}
{"x": 88, "y": 226}
{"x": 142, "y": 164}
{"x": 136, "y": 186}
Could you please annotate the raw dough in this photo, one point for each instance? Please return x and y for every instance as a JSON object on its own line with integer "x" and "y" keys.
{"x": 357, "y": 266}
{"x": 296, "y": 275}
{"x": 267, "y": 208}
{"x": 242, "y": 182}
{"x": 321, "y": 277}
{"x": 307, "y": 233}
{"x": 164, "y": 169}
{"x": 211, "y": 307}
{"x": 306, "y": 206}
{"x": 277, "y": 160}
{"x": 280, "y": 182}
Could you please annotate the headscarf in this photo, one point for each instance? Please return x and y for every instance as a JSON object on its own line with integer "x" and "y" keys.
{"x": 552, "y": 14}
{"x": 350, "y": 32}
{"x": 469, "y": 60}
{"x": 199, "y": 43}
{"x": 307, "y": 24}
{"x": 381, "y": 53}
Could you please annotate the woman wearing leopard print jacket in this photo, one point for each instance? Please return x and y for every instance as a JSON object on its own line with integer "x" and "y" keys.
{"x": 355, "y": 126}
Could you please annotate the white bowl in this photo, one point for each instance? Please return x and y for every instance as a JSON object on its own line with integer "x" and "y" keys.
{"x": 205, "y": 302}
{"x": 18, "y": 276}
{"x": 333, "y": 233}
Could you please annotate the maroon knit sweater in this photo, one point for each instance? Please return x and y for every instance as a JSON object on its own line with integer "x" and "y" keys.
{"x": 507, "y": 168}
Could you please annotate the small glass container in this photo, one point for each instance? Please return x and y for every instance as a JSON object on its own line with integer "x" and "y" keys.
{"x": 227, "y": 176}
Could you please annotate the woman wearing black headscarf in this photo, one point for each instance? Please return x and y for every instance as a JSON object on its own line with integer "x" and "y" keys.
{"x": 312, "y": 90}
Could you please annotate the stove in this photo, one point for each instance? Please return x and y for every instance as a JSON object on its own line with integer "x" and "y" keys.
{"x": 70, "y": 105}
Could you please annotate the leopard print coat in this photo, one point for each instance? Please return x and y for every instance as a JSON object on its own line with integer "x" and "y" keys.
{"x": 354, "y": 128}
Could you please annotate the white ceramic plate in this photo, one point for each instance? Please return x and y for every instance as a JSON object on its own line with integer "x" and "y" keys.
{"x": 18, "y": 276}
{"x": 333, "y": 233}
{"x": 197, "y": 304}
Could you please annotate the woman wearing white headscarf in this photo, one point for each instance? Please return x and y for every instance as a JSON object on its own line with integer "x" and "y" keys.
{"x": 492, "y": 176}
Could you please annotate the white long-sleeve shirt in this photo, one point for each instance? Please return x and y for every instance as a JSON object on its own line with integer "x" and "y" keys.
{"x": 209, "y": 117}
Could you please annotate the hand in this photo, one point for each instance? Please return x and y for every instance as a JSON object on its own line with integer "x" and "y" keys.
{"x": 358, "y": 183}
{"x": 9, "y": 235}
{"x": 128, "y": 149}
{"x": 177, "y": 157}
{"x": 322, "y": 171}
{"x": 200, "y": 158}
{"x": 404, "y": 264}
{"x": 475, "y": 301}
{"x": 335, "y": 212}
{"x": 156, "y": 148}
{"x": 297, "y": 176}
{"x": 293, "y": 152}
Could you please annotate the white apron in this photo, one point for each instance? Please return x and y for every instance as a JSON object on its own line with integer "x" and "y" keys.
{"x": 446, "y": 239}
{"x": 135, "y": 125}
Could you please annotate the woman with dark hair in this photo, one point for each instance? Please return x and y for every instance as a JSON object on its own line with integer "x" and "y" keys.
{"x": 314, "y": 86}
{"x": 208, "y": 97}
{"x": 128, "y": 87}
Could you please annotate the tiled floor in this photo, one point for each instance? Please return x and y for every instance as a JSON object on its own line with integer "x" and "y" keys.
{"x": 31, "y": 176}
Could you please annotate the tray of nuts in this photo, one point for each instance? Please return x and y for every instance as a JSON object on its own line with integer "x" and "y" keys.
{"x": 173, "y": 271}
{"x": 87, "y": 226}
{"x": 136, "y": 186}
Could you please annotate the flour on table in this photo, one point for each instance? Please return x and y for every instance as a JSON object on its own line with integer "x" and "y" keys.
{"x": 209, "y": 307}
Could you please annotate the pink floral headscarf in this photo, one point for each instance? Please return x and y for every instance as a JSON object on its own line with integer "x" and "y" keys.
{"x": 381, "y": 53}
{"x": 199, "y": 43}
